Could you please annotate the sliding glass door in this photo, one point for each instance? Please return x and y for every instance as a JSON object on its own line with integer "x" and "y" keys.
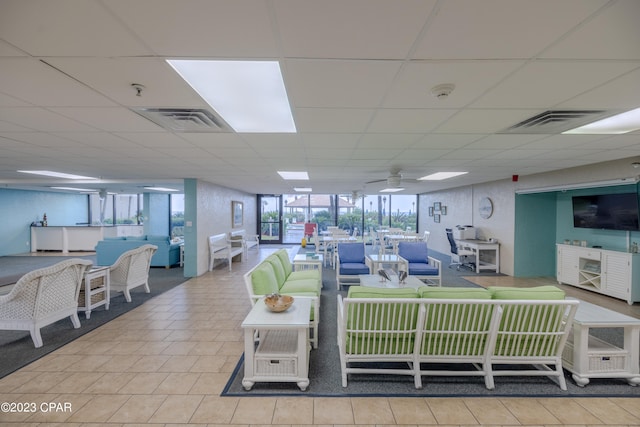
{"x": 270, "y": 218}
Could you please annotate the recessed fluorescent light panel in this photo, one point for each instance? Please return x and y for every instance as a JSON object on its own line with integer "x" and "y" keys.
{"x": 303, "y": 176}
{"x": 303, "y": 189}
{"x": 160, "y": 189}
{"x": 391, "y": 190}
{"x": 84, "y": 190}
{"x": 438, "y": 176}
{"x": 249, "y": 95}
{"x": 614, "y": 125}
{"x": 58, "y": 174}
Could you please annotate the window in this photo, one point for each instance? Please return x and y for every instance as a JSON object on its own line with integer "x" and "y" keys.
{"x": 176, "y": 219}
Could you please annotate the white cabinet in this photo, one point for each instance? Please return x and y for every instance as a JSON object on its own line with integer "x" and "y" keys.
{"x": 611, "y": 273}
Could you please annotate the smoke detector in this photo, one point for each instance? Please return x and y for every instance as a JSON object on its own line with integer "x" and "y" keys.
{"x": 442, "y": 91}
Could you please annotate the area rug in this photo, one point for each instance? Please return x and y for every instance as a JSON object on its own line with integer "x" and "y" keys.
{"x": 16, "y": 347}
{"x": 325, "y": 377}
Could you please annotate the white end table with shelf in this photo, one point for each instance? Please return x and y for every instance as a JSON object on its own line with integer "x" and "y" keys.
{"x": 95, "y": 291}
{"x": 586, "y": 356}
{"x": 282, "y": 353}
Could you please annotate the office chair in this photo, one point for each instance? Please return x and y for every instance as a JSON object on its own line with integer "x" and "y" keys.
{"x": 458, "y": 255}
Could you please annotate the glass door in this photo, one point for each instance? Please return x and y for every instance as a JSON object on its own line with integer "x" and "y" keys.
{"x": 270, "y": 218}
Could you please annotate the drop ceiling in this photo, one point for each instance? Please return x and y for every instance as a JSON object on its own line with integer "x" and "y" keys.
{"x": 358, "y": 74}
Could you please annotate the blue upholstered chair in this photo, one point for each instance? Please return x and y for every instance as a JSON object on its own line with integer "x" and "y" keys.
{"x": 418, "y": 262}
{"x": 350, "y": 262}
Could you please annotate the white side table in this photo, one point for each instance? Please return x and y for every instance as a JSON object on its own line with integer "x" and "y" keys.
{"x": 377, "y": 261}
{"x": 95, "y": 290}
{"x": 282, "y": 354}
{"x": 589, "y": 357}
{"x": 303, "y": 262}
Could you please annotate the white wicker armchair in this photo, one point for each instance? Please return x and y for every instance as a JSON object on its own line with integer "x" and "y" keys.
{"x": 131, "y": 270}
{"x": 42, "y": 297}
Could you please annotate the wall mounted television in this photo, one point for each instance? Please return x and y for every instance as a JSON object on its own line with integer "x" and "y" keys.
{"x": 607, "y": 211}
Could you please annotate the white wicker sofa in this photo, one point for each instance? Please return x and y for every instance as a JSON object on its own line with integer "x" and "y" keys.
{"x": 439, "y": 327}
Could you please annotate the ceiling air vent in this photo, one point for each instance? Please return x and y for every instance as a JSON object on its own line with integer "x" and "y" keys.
{"x": 555, "y": 121}
{"x": 185, "y": 119}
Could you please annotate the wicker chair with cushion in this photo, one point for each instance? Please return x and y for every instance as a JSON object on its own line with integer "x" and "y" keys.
{"x": 42, "y": 297}
{"x": 131, "y": 270}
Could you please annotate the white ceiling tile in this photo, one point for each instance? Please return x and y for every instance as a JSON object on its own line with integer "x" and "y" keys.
{"x": 67, "y": 28}
{"x": 338, "y": 84}
{"x": 381, "y": 28}
{"x": 109, "y": 119}
{"x": 409, "y": 120}
{"x": 542, "y": 84}
{"x": 500, "y": 28}
{"x": 236, "y": 29}
{"x": 334, "y": 120}
{"x": 611, "y": 34}
{"x": 41, "y": 119}
{"x": 484, "y": 120}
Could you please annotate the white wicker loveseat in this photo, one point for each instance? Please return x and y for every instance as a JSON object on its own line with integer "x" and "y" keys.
{"x": 42, "y": 297}
{"x": 450, "y": 327}
{"x": 131, "y": 270}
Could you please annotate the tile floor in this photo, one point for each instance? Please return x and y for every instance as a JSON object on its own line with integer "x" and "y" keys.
{"x": 166, "y": 362}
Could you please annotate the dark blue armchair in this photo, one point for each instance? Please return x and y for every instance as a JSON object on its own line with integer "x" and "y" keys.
{"x": 418, "y": 262}
{"x": 350, "y": 262}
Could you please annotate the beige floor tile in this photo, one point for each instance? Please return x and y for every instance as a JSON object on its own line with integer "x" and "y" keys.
{"x": 78, "y": 382}
{"x": 215, "y": 409}
{"x": 372, "y": 411}
{"x": 490, "y": 411}
{"x": 258, "y": 410}
{"x": 176, "y": 409}
{"x": 451, "y": 411}
{"x": 119, "y": 363}
{"x": 178, "y": 364}
{"x": 149, "y": 363}
{"x": 99, "y": 409}
{"x": 178, "y": 383}
{"x": 210, "y": 383}
{"x": 42, "y": 383}
{"x": 143, "y": 383}
{"x": 138, "y": 409}
{"x": 608, "y": 411}
{"x": 109, "y": 383}
{"x": 529, "y": 411}
{"x": 411, "y": 411}
{"x": 332, "y": 411}
{"x": 569, "y": 411}
{"x": 209, "y": 364}
{"x": 293, "y": 411}
{"x": 57, "y": 408}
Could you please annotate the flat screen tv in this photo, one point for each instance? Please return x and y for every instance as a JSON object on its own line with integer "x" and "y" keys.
{"x": 606, "y": 211}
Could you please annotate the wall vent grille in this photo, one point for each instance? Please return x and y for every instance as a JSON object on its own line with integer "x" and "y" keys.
{"x": 185, "y": 119}
{"x": 555, "y": 121}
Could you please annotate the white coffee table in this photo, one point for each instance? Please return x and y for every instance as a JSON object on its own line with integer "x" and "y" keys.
{"x": 282, "y": 354}
{"x": 586, "y": 356}
{"x": 373, "y": 281}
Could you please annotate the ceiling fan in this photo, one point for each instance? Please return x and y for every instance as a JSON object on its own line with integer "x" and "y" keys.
{"x": 394, "y": 179}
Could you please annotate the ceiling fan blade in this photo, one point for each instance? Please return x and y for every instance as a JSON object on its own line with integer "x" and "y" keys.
{"x": 376, "y": 180}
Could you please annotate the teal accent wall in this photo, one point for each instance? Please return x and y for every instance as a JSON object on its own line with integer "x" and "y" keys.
{"x": 535, "y": 235}
{"x": 19, "y": 208}
{"x": 544, "y": 219}
{"x": 615, "y": 240}
{"x": 190, "y": 229}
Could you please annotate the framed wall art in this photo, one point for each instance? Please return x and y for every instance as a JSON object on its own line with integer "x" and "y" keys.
{"x": 236, "y": 214}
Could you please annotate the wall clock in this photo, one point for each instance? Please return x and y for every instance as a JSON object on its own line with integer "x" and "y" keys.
{"x": 486, "y": 208}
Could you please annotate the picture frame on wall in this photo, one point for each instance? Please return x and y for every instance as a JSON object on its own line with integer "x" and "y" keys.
{"x": 437, "y": 206}
{"x": 430, "y": 210}
{"x": 236, "y": 214}
{"x": 436, "y": 218}
{"x": 443, "y": 210}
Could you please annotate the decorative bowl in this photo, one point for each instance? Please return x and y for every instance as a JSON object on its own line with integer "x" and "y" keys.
{"x": 278, "y": 303}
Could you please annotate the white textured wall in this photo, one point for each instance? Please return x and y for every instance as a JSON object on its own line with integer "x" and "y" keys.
{"x": 214, "y": 216}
